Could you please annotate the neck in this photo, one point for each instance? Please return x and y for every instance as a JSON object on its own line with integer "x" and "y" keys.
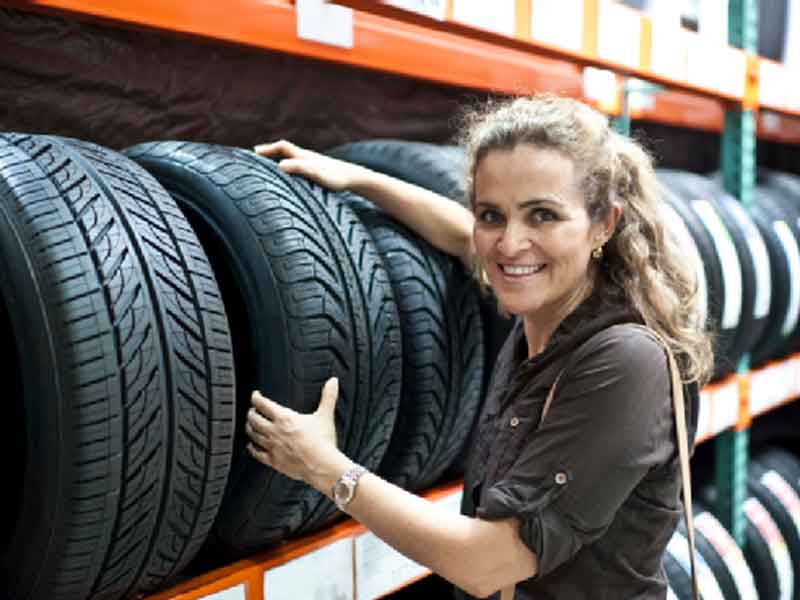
{"x": 540, "y": 328}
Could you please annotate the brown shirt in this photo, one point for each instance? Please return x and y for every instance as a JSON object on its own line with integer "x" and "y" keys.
{"x": 596, "y": 485}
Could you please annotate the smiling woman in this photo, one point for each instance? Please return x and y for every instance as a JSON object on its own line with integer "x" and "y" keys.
{"x": 572, "y": 484}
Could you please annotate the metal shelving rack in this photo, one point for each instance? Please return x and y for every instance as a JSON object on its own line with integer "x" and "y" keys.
{"x": 523, "y": 45}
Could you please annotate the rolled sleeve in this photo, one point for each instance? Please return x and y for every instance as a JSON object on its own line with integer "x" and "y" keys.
{"x": 610, "y": 423}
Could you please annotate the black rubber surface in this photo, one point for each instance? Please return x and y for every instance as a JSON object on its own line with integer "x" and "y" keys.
{"x": 125, "y": 390}
{"x": 763, "y": 542}
{"x": 679, "y": 580}
{"x": 312, "y": 300}
{"x": 442, "y": 351}
{"x": 440, "y": 169}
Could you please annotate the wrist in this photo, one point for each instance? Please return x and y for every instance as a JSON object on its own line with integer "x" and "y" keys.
{"x": 328, "y": 471}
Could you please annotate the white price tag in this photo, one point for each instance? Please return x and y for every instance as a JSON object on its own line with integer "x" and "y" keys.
{"x": 704, "y": 416}
{"x": 701, "y": 60}
{"x": 323, "y": 573}
{"x": 793, "y": 101}
{"x": 796, "y": 388}
{"x": 726, "y": 406}
{"x": 558, "y": 22}
{"x": 451, "y": 503}
{"x": 773, "y": 84}
{"x": 319, "y": 21}
{"x": 436, "y": 9}
{"x": 732, "y": 69}
{"x": 760, "y": 398}
{"x": 498, "y": 16}
{"x": 619, "y": 30}
{"x": 380, "y": 568}
{"x": 234, "y": 593}
{"x": 668, "y": 51}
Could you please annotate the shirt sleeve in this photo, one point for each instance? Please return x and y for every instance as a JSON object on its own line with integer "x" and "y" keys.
{"x": 610, "y": 422}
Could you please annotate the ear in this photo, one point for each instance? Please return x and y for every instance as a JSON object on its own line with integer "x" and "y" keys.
{"x": 611, "y": 220}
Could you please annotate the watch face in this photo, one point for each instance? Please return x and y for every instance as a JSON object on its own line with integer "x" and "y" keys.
{"x": 342, "y": 492}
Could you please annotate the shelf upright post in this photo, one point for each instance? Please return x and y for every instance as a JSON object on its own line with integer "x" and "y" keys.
{"x": 738, "y": 172}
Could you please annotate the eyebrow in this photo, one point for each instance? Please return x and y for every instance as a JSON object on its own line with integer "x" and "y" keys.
{"x": 523, "y": 205}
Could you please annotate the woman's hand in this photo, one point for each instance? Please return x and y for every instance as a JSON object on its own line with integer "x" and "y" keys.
{"x": 301, "y": 446}
{"x": 331, "y": 173}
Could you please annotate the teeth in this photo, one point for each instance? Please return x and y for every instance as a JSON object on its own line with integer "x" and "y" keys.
{"x": 521, "y": 270}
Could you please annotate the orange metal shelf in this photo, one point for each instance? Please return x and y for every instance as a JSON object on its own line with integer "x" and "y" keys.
{"x": 447, "y": 52}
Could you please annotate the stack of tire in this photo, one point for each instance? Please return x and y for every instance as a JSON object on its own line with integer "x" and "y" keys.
{"x": 767, "y": 566}
{"x": 145, "y": 296}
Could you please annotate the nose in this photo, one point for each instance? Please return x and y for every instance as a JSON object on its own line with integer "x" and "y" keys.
{"x": 516, "y": 238}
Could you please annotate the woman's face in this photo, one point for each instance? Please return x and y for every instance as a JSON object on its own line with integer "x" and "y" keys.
{"x": 532, "y": 232}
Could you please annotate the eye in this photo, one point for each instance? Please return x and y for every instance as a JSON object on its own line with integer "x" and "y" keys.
{"x": 543, "y": 215}
{"x": 490, "y": 217}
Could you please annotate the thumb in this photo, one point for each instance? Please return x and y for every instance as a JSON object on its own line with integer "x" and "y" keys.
{"x": 330, "y": 393}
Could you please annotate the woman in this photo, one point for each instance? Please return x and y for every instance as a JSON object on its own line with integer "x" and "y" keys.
{"x": 565, "y": 228}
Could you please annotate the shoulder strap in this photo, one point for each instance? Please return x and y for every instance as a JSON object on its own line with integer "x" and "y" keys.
{"x": 678, "y": 405}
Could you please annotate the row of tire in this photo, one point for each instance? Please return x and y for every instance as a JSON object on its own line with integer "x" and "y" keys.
{"x": 748, "y": 261}
{"x": 144, "y": 297}
{"x": 768, "y": 565}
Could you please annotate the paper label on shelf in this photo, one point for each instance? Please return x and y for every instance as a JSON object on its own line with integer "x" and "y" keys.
{"x": 776, "y": 545}
{"x": 793, "y": 101}
{"x": 452, "y": 502}
{"x": 234, "y": 593}
{"x": 729, "y": 261}
{"x": 732, "y": 70}
{"x": 726, "y": 547}
{"x": 772, "y": 84}
{"x": 702, "y": 57}
{"x": 619, "y": 31}
{"x": 793, "y": 258}
{"x": 785, "y": 494}
{"x": 725, "y": 411}
{"x": 436, "y": 9}
{"x": 668, "y": 51}
{"x": 324, "y": 573}
{"x": 759, "y": 255}
{"x": 380, "y": 568}
{"x": 319, "y": 21}
{"x": 704, "y": 416}
{"x": 498, "y": 15}
{"x": 558, "y": 22}
{"x": 678, "y": 547}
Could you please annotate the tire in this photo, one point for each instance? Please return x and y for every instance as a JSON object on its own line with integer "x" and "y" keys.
{"x": 124, "y": 388}
{"x": 311, "y": 299}
{"x": 442, "y": 351}
{"x": 784, "y": 258}
{"x": 681, "y": 578}
{"x": 440, "y": 169}
{"x": 698, "y": 193}
{"x": 783, "y": 462}
{"x": 766, "y": 553}
{"x": 723, "y": 556}
{"x": 783, "y": 504}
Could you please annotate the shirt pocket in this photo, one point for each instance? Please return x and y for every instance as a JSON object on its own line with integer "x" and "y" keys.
{"x": 513, "y": 433}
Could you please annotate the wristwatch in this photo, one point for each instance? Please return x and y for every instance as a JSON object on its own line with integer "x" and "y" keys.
{"x": 344, "y": 490}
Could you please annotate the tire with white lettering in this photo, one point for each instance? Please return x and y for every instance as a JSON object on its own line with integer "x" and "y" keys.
{"x": 723, "y": 556}
{"x": 778, "y": 496}
{"x": 784, "y": 258}
{"x": 712, "y": 265}
{"x": 121, "y": 376}
{"x": 309, "y": 299}
{"x": 767, "y": 554}
{"x": 679, "y": 570}
{"x": 442, "y": 350}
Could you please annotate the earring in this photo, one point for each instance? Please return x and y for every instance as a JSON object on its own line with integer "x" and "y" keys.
{"x": 597, "y": 253}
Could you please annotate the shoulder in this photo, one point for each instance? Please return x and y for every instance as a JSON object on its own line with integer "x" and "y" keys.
{"x": 627, "y": 346}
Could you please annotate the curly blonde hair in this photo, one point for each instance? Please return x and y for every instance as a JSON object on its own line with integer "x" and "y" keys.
{"x": 641, "y": 265}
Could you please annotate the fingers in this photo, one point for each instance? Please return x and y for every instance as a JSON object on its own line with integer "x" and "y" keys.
{"x": 259, "y": 434}
{"x": 266, "y": 407}
{"x": 259, "y": 454}
{"x": 330, "y": 393}
{"x": 282, "y": 148}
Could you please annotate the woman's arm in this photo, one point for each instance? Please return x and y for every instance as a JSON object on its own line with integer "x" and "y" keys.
{"x": 443, "y": 223}
{"x": 478, "y": 556}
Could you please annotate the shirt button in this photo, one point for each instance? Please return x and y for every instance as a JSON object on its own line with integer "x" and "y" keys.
{"x": 514, "y": 422}
{"x": 561, "y": 478}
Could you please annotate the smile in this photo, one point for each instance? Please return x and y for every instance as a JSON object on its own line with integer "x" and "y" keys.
{"x": 521, "y": 270}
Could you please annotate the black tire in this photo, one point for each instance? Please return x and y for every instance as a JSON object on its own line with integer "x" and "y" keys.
{"x": 442, "y": 170}
{"x": 125, "y": 385}
{"x": 442, "y": 351}
{"x": 311, "y": 299}
{"x": 766, "y": 553}
{"x": 723, "y": 556}
{"x": 679, "y": 571}
{"x": 784, "y": 258}
{"x": 782, "y": 461}
{"x": 698, "y": 193}
{"x": 783, "y": 504}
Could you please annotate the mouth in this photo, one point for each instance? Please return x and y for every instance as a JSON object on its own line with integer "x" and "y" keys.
{"x": 521, "y": 271}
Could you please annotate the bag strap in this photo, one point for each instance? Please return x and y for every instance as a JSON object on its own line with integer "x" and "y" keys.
{"x": 681, "y": 433}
